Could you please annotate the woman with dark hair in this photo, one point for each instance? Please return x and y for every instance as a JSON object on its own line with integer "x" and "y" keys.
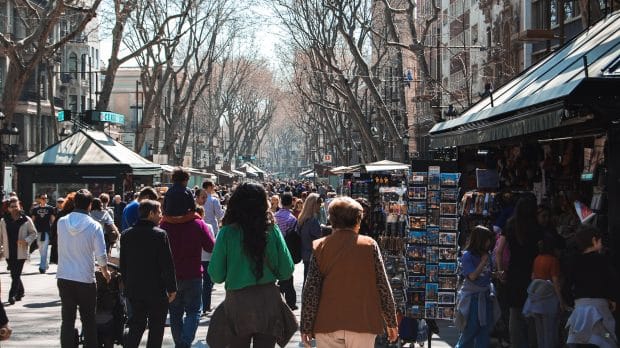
{"x": 521, "y": 236}
{"x": 67, "y": 207}
{"x": 110, "y": 232}
{"x": 249, "y": 256}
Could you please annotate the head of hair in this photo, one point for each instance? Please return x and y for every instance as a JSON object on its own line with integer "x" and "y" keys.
{"x": 41, "y": 195}
{"x": 248, "y": 209}
{"x": 200, "y": 210}
{"x": 299, "y": 204}
{"x": 105, "y": 198}
{"x": 584, "y": 235}
{"x": 148, "y": 193}
{"x": 480, "y": 240}
{"x": 524, "y": 219}
{"x": 69, "y": 204}
{"x": 83, "y": 199}
{"x": 13, "y": 200}
{"x": 146, "y": 207}
{"x": 179, "y": 175}
{"x": 96, "y": 204}
{"x": 287, "y": 199}
{"x": 311, "y": 207}
{"x": 207, "y": 183}
{"x": 345, "y": 212}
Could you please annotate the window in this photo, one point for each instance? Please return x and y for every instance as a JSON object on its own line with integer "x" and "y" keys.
{"x": 73, "y": 103}
{"x": 73, "y": 64}
{"x": 83, "y": 72}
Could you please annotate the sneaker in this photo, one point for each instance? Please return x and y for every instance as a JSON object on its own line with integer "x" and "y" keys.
{"x": 42, "y": 271}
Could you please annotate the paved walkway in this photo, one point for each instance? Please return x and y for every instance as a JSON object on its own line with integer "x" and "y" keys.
{"x": 36, "y": 319}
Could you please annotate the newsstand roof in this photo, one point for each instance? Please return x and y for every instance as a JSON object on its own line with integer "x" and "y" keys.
{"x": 92, "y": 148}
{"x": 534, "y": 100}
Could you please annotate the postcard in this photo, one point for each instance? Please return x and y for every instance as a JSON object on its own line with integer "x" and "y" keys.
{"x": 447, "y": 238}
{"x": 416, "y": 311}
{"x": 432, "y": 235}
{"x": 418, "y": 178}
{"x": 417, "y": 222}
{"x": 432, "y": 291}
{"x": 433, "y": 218}
{"x": 430, "y": 309}
{"x": 447, "y": 268}
{"x": 417, "y": 192}
{"x": 450, "y": 179}
{"x": 432, "y": 273}
{"x": 447, "y": 254}
{"x": 434, "y": 199}
{"x": 417, "y": 208}
{"x": 415, "y": 297}
{"x": 417, "y": 282}
{"x": 449, "y": 194}
{"x": 416, "y": 252}
{"x": 448, "y": 209}
{"x": 446, "y": 312}
{"x": 450, "y": 224}
{"x": 418, "y": 267}
{"x": 432, "y": 254}
{"x": 447, "y": 283}
{"x": 417, "y": 237}
{"x": 446, "y": 297}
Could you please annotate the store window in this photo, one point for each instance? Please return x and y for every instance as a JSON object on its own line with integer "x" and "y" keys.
{"x": 54, "y": 191}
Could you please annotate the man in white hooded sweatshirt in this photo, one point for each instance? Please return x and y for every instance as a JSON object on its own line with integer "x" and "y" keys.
{"x": 80, "y": 241}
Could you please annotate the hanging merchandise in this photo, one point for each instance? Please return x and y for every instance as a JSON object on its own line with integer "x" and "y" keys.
{"x": 431, "y": 248}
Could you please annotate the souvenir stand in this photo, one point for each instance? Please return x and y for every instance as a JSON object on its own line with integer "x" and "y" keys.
{"x": 431, "y": 247}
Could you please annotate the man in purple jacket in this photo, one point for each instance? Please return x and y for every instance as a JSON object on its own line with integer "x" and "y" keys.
{"x": 187, "y": 240}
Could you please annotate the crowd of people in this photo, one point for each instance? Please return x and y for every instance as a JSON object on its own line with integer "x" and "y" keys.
{"x": 174, "y": 247}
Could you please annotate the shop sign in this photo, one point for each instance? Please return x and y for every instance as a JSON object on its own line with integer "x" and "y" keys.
{"x": 327, "y": 158}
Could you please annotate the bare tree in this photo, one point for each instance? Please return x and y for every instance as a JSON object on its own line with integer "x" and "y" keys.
{"x": 34, "y": 40}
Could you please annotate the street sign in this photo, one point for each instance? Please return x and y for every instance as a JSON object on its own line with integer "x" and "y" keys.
{"x": 111, "y": 117}
{"x": 64, "y": 115}
{"x": 327, "y": 158}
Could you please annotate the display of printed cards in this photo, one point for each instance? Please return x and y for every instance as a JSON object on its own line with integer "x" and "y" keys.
{"x": 415, "y": 192}
{"x": 417, "y": 222}
{"x": 433, "y": 218}
{"x": 432, "y": 273}
{"x": 447, "y": 238}
{"x": 432, "y": 255}
{"x": 448, "y": 209}
{"x": 449, "y": 194}
{"x": 419, "y": 267}
{"x": 433, "y": 199}
{"x": 450, "y": 179}
{"x": 446, "y": 297}
{"x": 432, "y": 235}
{"x": 417, "y": 207}
{"x": 418, "y": 178}
{"x": 447, "y": 283}
{"x": 447, "y": 268}
{"x": 416, "y": 297}
{"x": 447, "y": 254}
{"x": 416, "y": 252}
{"x": 432, "y": 291}
{"x": 450, "y": 224}
{"x": 430, "y": 310}
{"x": 417, "y": 282}
{"x": 445, "y": 312}
{"x": 417, "y": 237}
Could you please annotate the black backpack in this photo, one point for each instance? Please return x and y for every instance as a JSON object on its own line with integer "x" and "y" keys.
{"x": 293, "y": 243}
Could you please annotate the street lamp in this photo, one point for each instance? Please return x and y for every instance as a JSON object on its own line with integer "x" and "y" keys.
{"x": 9, "y": 138}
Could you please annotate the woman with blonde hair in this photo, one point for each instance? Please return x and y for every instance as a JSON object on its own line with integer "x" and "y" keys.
{"x": 309, "y": 227}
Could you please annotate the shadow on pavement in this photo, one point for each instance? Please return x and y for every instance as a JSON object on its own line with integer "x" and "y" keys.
{"x": 43, "y": 304}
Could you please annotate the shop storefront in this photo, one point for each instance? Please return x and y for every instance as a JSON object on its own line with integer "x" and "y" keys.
{"x": 554, "y": 130}
{"x": 86, "y": 159}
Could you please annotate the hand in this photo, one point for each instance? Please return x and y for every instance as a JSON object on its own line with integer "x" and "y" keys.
{"x": 392, "y": 334}
{"x": 484, "y": 259}
{"x": 172, "y": 296}
{"x": 106, "y": 274}
{"x": 612, "y": 305}
{"x": 306, "y": 339}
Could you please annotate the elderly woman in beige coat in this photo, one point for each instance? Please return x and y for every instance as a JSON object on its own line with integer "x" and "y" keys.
{"x": 16, "y": 233}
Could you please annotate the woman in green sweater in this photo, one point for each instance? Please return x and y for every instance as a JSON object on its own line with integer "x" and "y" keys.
{"x": 250, "y": 255}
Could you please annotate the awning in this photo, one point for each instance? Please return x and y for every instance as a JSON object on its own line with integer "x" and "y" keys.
{"x": 385, "y": 166}
{"x": 306, "y": 172}
{"x": 238, "y": 173}
{"x": 92, "y": 148}
{"x": 192, "y": 171}
{"x": 251, "y": 168}
{"x": 536, "y": 99}
{"x": 224, "y": 173}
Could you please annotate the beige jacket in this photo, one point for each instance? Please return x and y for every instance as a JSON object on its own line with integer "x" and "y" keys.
{"x": 27, "y": 232}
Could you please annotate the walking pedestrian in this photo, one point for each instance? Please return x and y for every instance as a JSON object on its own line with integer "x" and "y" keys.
{"x": 130, "y": 213}
{"x": 213, "y": 209}
{"x": 205, "y": 258}
{"x": 287, "y": 223}
{"x": 148, "y": 274}
{"x": 249, "y": 256}
{"x": 179, "y": 199}
{"x": 110, "y": 233}
{"x": 477, "y": 309}
{"x": 595, "y": 287}
{"x": 62, "y": 209}
{"x": 309, "y": 228}
{"x": 187, "y": 240}
{"x": 43, "y": 218}
{"x": 118, "y": 205}
{"x": 16, "y": 233}
{"x": 80, "y": 242}
{"x": 348, "y": 276}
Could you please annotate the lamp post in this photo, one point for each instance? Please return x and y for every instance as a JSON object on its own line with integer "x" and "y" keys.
{"x": 9, "y": 138}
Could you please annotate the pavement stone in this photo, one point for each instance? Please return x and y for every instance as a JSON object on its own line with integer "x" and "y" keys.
{"x": 35, "y": 320}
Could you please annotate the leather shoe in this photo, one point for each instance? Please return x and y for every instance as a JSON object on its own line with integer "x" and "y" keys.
{"x": 12, "y": 300}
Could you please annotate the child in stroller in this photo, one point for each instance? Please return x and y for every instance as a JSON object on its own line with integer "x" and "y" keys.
{"x": 111, "y": 310}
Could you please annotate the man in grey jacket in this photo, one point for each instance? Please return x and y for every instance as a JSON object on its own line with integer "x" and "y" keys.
{"x": 80, "y": 241}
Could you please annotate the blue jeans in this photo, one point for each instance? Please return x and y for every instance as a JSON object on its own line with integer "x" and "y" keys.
{"x": 475, "y": 335}
{"x": 207, "y": 287}
{"x": 43, "y": 251}
{"x": 187, "y": 302}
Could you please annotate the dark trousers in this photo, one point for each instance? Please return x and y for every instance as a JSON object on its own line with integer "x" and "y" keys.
{"x": 207, "y": 287}
{"x": 288, "y": 289}
{"x": 155, "y": 310}
{"x": 17, "y": 287}
{"x": 256, "y": 340}
{"x": 73, "y": 295}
